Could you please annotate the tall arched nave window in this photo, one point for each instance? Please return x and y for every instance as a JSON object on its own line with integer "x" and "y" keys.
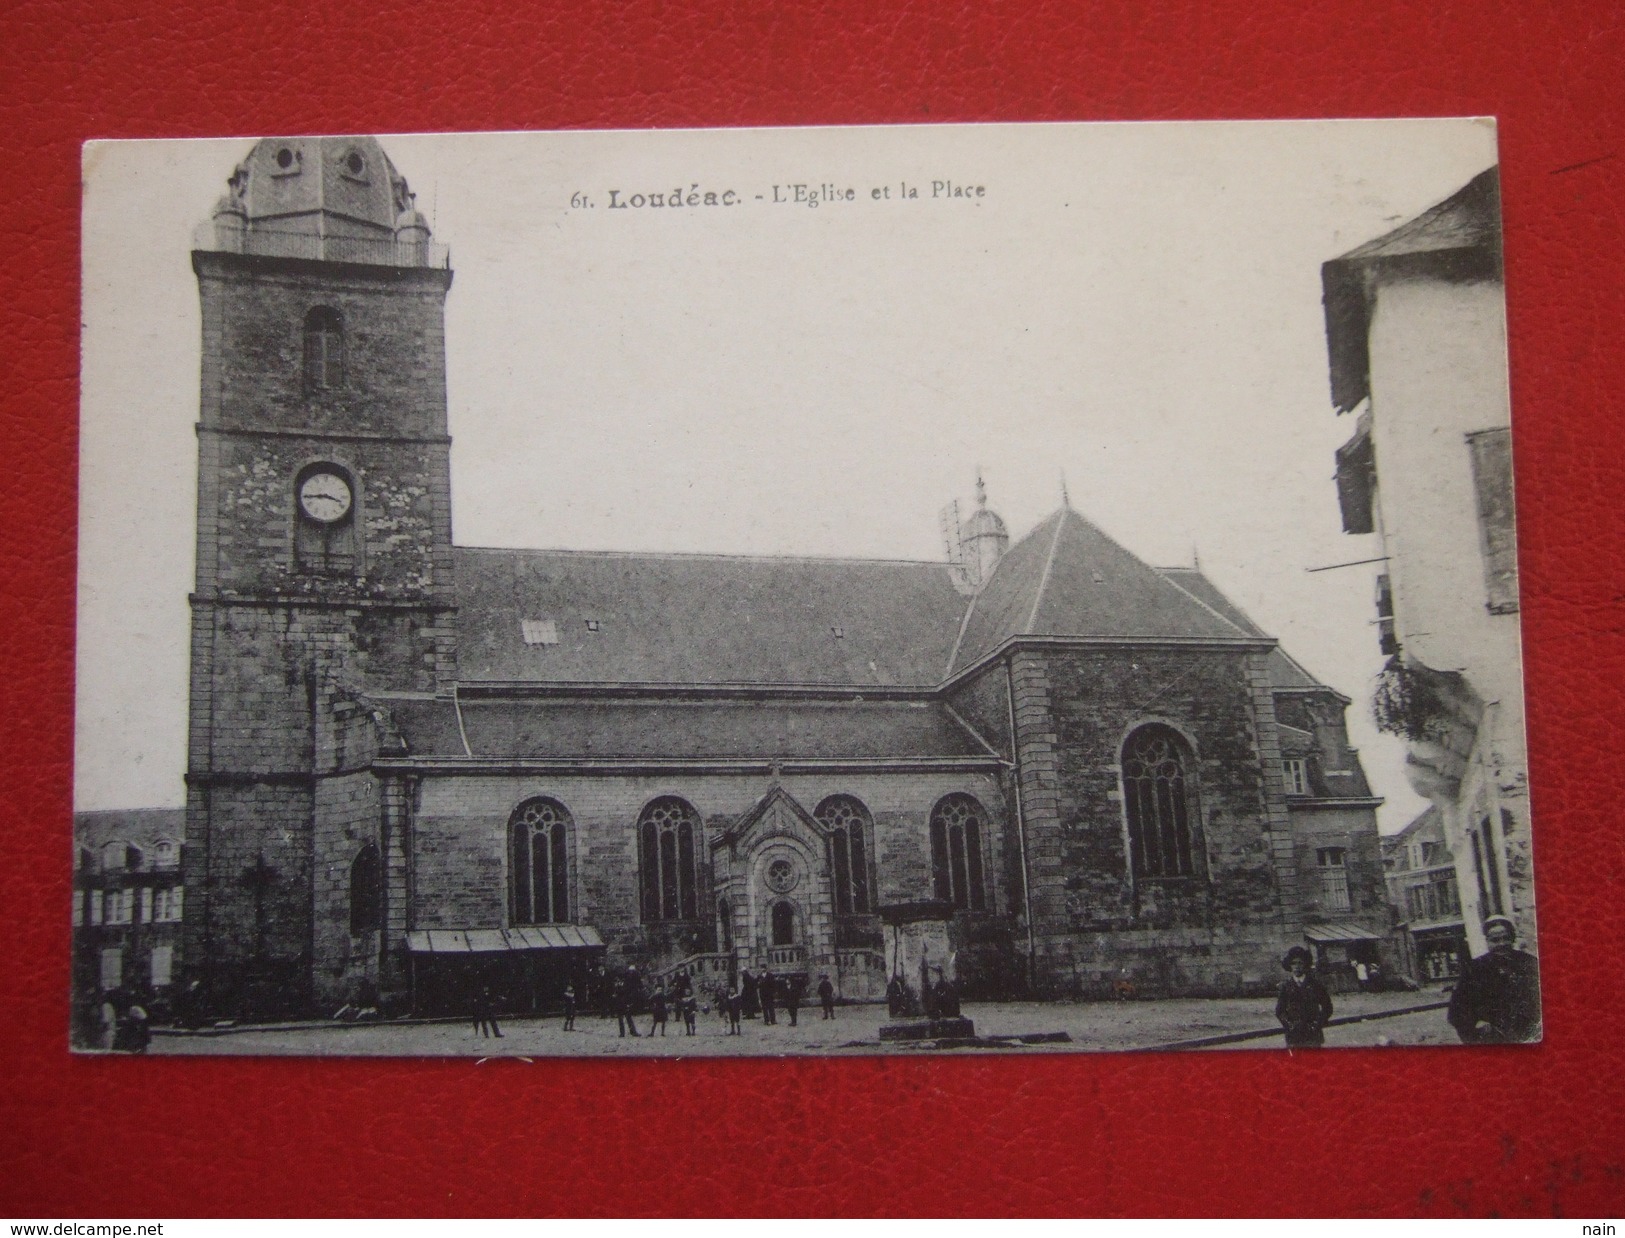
{"x": 1159, "y": 798}
{"x": 540, "y": 863}
{"x": 668, "y": 839}
{"x": 956, "y": 852}
{"x": 848, "y": 823}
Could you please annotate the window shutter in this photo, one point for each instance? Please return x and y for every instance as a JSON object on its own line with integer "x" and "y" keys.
{"x": 1497, "y": 539}
{"x": 1356, "y": 480}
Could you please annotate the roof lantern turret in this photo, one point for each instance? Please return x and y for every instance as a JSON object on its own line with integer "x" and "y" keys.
{"x": 984, "y": 538}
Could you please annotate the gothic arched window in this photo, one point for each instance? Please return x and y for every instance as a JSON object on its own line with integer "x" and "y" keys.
{"x": 541, "y": 870}
{"x": 848, "y": 823}
{"x": 1160, "y": 800}
{"x": 324, "y": 349}
{"x": 668, "y": 834}
{"x": 366, "y": 891}
{"x": 956, "y": 851}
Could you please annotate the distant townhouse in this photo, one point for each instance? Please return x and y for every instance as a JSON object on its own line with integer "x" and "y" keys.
{"x": 1426, "y": 900}
{"x": 128, "y": 901}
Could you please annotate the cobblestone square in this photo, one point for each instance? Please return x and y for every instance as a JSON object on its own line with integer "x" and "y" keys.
{"x": 1092, "y": 1027}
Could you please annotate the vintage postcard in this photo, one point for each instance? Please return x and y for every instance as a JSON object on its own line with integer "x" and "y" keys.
{"x": 1007, "y": 588}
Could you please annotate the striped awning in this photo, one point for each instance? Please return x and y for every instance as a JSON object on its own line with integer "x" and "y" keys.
{"x": 496, "y": 941}
{"x": 1340, "y": 932}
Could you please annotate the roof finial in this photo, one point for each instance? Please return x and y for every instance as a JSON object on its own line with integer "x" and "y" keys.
{"x": 1066, "y": 499}
{"x": 981, "y": 488}
{"x": 1196, "y": 557}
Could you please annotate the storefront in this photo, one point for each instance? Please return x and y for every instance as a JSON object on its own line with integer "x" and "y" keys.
{"x": 526, "y": 969}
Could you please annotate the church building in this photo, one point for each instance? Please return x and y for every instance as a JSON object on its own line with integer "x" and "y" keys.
{"x": 415, "y": 766}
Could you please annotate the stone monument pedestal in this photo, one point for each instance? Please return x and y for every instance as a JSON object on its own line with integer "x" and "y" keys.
{"x": 922, "y": 994}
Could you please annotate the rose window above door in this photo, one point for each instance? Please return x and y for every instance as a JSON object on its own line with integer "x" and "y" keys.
{"x": 781, "y": 876}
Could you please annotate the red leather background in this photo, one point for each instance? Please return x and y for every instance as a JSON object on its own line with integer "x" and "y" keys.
{"x": 1396, "y": 1131}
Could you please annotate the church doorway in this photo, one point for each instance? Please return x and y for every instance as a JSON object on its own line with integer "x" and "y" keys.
{"x": 784, "y": 923}
{"x": 784, "y": 932}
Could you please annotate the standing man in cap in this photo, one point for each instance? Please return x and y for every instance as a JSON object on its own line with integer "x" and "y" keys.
{"x": 1497, "y": 999}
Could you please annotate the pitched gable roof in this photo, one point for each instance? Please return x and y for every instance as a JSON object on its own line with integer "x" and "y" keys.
{"x": 1068, "y": 578}
{"x": 702, "y": 619}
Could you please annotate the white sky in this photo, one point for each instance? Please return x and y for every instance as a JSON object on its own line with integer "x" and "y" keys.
{"x": 1137, "y": 306}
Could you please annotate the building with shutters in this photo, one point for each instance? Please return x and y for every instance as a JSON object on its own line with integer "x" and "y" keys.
{"x": 128, "y": 904}
{"x": 1426, "y": 898}
{"x": 417, "y": 767}
{"x": 1416, "y": 333}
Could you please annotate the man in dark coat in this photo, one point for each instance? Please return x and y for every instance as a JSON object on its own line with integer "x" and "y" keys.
{"x": 628, "y": 997}
{"x": 826, "y": 995}
{"x": 1303, "y": 1007}
{"x": 767, "y": 989}
{"x": 1497, "y": 999}
{"x": 485, "y": 1013}
{"x": 657, "y": 1009}
{"x": 792, "y": 996}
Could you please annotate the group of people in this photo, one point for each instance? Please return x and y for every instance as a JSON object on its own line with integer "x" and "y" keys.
{"x": 117, "y": 1020}
{"x": 624, "y": 995}
{"x": 1496, "y": 999}
{"x": 126, "y": 1026}
{"x": 762, "y": 993}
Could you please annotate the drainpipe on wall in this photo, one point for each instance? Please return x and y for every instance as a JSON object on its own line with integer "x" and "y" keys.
{"x": 1021, "y": 823}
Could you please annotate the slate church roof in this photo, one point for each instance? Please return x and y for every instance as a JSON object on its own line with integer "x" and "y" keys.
{"x": 1067, "y": 578}
{"x": 704, "y": 657}
{"x": 591, "y": 617}
{"x": 1284, "y": 669}
{"x": 689, "y": 730}
{"x": 702, "y": 619}
{"x": 628, "y": 656}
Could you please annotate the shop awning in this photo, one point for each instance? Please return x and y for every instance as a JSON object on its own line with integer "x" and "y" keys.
{"x": 1438, "y": 928}
{"x": 1340, "y": 932}
{"x": 495, "y": 941}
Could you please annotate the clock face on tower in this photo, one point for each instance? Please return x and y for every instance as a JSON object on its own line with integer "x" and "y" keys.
{"x": 324, "y": 496}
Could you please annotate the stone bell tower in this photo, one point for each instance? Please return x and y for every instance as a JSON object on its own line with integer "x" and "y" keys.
{"x": 324, "y": 566}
